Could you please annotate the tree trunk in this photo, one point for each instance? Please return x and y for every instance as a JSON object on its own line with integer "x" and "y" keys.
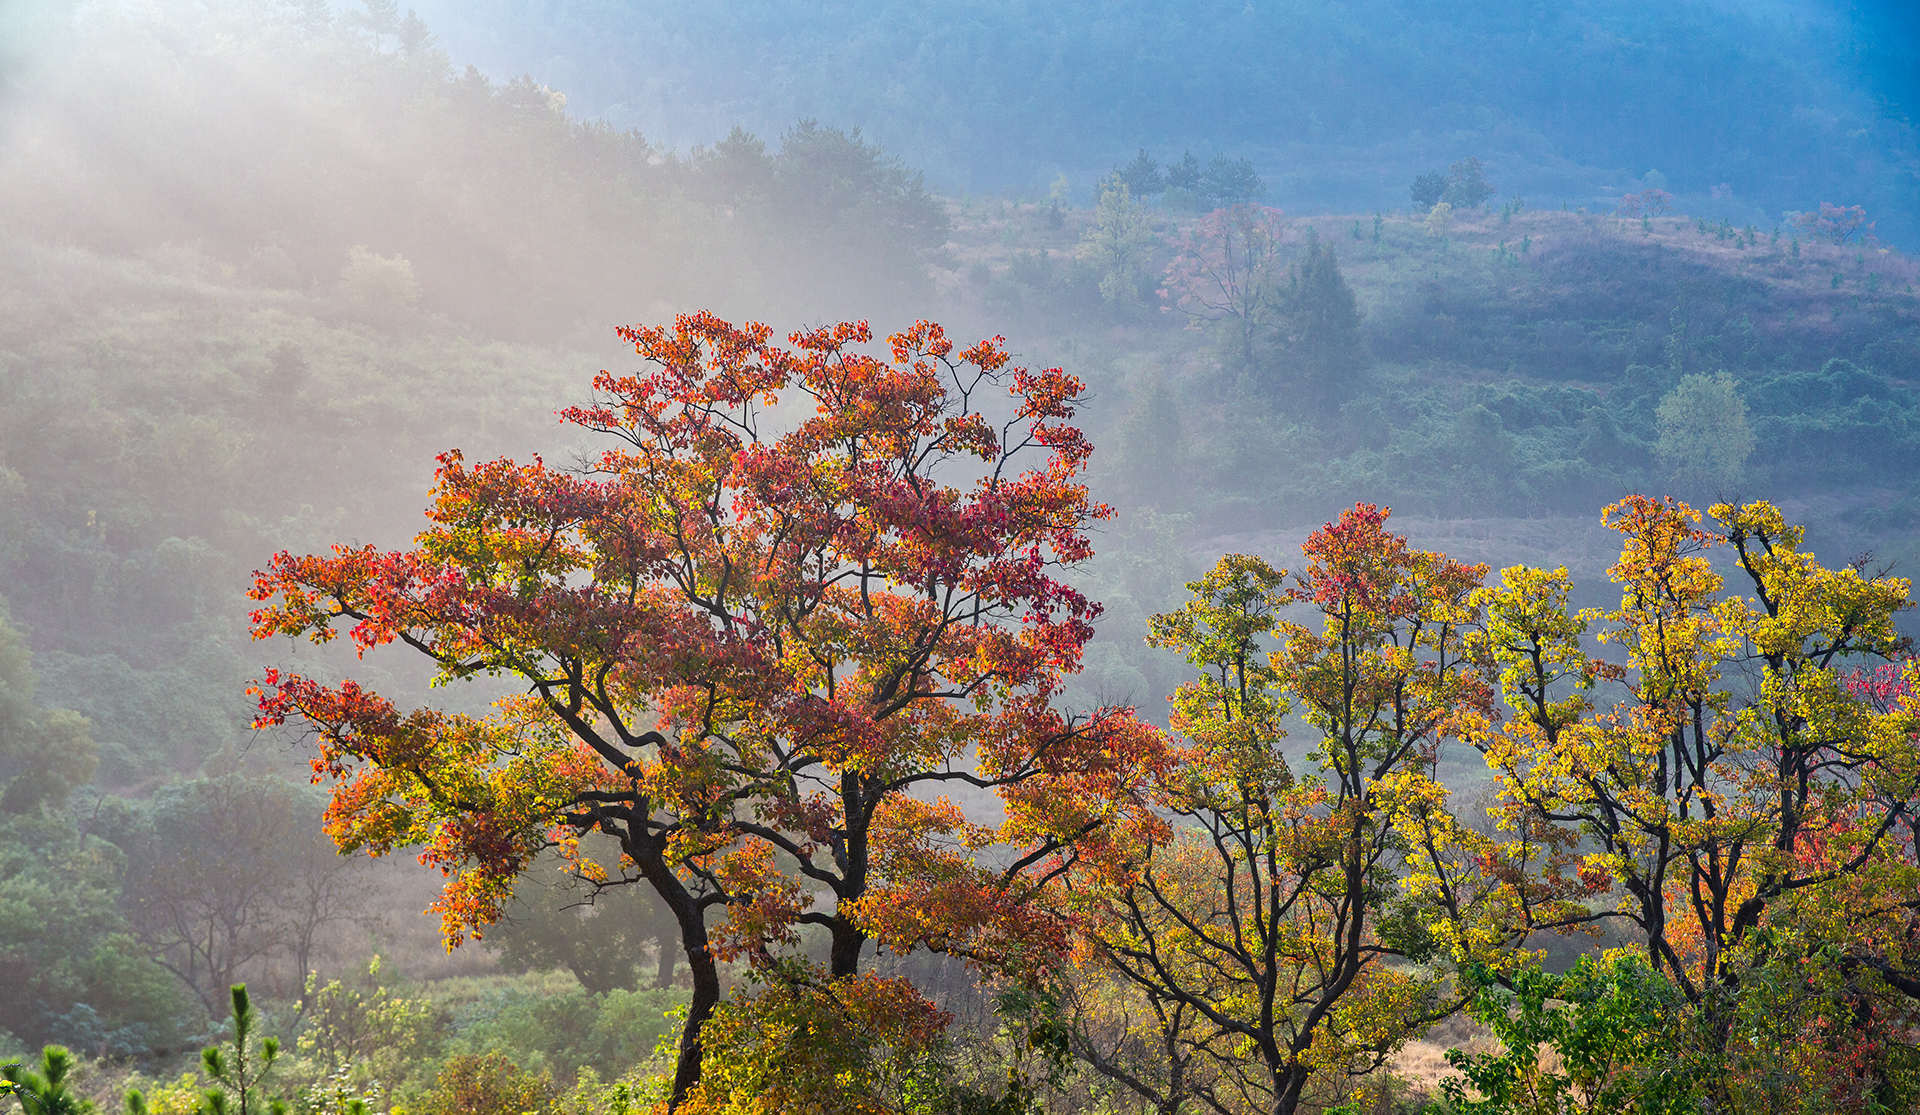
{"x": 1288, "y": 1084}
{"x": 690, "y": 921}
{"x": 665, "y": 956}
{"x": 843, "y": 958}
{"x": 857, "y": 799}
{"x": 706, "y": 995}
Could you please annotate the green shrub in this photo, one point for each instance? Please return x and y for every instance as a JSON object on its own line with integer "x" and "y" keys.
{"x": 559, "y": 1033}
{"x": 1615, "y": 1028}
{"x": 362, "y": 1037}
{"x": 487, "y": 1084}
{"x": 179, "y": 1096}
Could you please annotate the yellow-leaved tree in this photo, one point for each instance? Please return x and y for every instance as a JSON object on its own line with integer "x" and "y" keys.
{"x": 1747, "y": 801}
{"x": 1302, "y": 917}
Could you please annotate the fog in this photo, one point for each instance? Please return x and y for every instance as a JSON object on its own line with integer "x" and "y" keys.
{"x": 1492, "y": 265}
{"x": 1337, "y": 104}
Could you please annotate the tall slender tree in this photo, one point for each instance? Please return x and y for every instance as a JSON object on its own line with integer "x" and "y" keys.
{"x": 1300, "y": 921}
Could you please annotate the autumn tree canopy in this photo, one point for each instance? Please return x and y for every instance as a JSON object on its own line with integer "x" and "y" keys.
{"x": 804, "y": 594}
{"x": 1301, "y": 919}
{"x": 1747, "y": 799}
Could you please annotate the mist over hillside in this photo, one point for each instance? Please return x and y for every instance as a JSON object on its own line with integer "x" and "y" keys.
{"x": 945, "y": 706}
{"x": 1742, "y": 110}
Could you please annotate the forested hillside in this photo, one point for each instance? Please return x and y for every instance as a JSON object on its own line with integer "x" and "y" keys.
{"x": 262, "y": 263}
{"x": 1744, "y": 110}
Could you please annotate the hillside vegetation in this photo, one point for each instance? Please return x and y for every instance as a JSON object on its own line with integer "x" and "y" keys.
{"x": 261, "y": 266}
{"x": 1338, "y": 105}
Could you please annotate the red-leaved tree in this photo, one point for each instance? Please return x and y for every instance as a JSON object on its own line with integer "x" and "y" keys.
{"x": 1835, "y": 224}
{"x": 804, "y": 594}
{"x": 1227, "y": 270}
{"x": 1651, "y": 202}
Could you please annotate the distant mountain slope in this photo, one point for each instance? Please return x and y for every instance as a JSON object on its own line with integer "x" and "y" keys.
{"x": 1512, "y": 366}
{"x": 1757, "y": 107}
